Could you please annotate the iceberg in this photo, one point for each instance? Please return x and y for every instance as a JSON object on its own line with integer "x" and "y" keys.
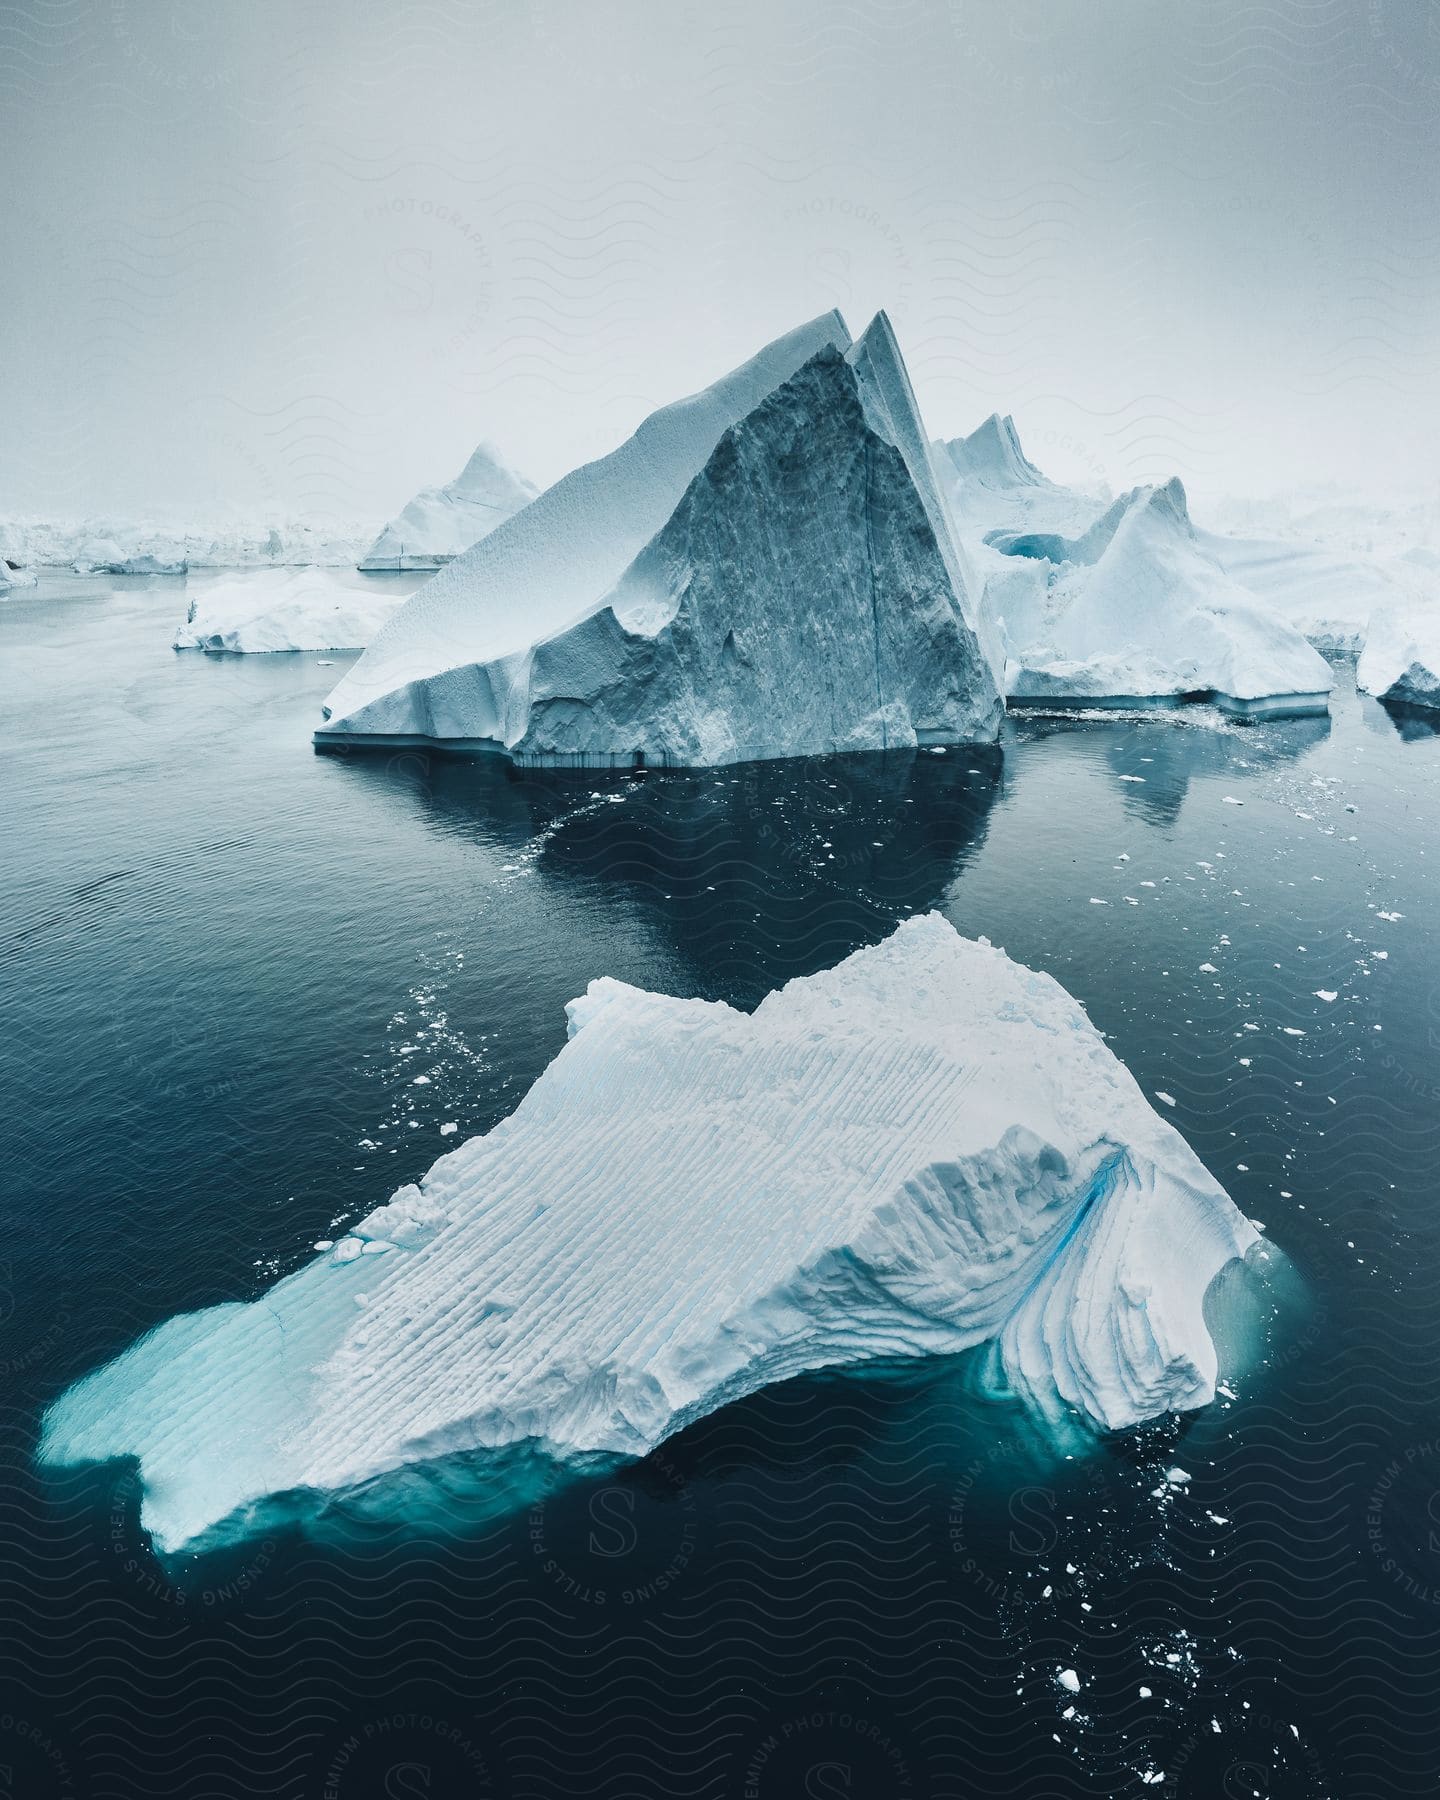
{"x": 1134, "y": 611}
{"x": 925, "y": 1148}
{"x": 804, "y": 596}
{"x": 553, "y": 562}
{"x": 1401, "y": 658}
{"x": 992, "y": 485}
{"x": 285, "y": 609}
{"x": 441, "y": 522}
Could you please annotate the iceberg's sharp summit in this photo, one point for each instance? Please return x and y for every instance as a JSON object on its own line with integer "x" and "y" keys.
{"x": 921, "y": 1149}
{"x": 991, "y": 455}
{"x": 549, "y": 564}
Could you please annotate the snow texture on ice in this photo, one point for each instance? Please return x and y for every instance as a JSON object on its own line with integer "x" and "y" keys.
{"x": 924, "y": 1148}
{"x": 285, "y": 609}
{"x": 442, "y": 522}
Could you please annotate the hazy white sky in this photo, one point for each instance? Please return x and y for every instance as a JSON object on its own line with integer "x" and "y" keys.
{"x": 271, "y": 258}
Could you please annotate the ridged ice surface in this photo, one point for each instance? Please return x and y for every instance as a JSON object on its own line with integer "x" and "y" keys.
{"x": 924, "y": 1148}
{"x": 806, "y": 595}
{"x": 443, "y": 522}
{"x": 554, "y": 560}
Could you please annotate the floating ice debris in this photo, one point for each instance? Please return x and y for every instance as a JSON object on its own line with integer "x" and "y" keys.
{"x": 1069, "y": 1680}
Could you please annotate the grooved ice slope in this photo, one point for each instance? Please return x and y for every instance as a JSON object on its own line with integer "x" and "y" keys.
{"x": 923, "y": 1148}
{"x": 549, "y": 564}
{"x": 441, "y": 522}
{"x": 805, "y": 596}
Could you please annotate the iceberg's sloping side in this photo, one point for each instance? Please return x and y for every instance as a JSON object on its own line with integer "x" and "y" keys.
{"x": 805, "y": 596}
{"x": 1401, "y": 658}
{"x": 442, "y": 522}
{"x": 1137, "y": 611}
{"x": 552, "y": 562}
{"x": 285, "y": 609}
{"x": 924, "y": 1148}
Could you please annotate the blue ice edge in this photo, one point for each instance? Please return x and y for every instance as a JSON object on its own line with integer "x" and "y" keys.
{"x": 462, "y": 1491}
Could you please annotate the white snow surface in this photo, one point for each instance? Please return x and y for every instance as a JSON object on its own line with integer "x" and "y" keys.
{"x": 1133, "y": 608}
{"x": 919, "y": 1150}
{"x": 1401, "y": 658}
{"x": 144, "y": 547}
{"x": 805, "y": 596}
{"x": 441, "y": 522}
{"x": 286, "y": 609}
{"x": 1327, "y": 594}
{"x": 555, "y": 560}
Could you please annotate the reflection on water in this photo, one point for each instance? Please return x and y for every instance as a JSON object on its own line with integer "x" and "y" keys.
{"x": 753, "y": 875}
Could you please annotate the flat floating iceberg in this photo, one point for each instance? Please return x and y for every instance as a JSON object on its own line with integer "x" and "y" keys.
{"x": 924, "y": 1148}
{"x": 443, "y": 522}
{"x": 285, "y": 609}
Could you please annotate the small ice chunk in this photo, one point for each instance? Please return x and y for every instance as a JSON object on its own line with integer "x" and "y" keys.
{"x": 1069, "y": 1680}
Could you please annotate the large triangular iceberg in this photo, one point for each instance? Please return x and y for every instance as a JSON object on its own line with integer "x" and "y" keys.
{"x": 924, "y": 1148}
{"x": 440, "y": 523}
{"x": 805, "y": 596}
{"x": 550, "y": 564}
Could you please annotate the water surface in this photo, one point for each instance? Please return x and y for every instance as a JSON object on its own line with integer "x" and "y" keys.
{"x": 227, "y": 958}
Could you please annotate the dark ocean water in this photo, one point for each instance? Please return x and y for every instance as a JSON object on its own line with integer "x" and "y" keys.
{"x": 225, "y": 959}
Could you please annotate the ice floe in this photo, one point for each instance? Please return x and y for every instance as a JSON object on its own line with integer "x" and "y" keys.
{"x": 921, "y": 1149}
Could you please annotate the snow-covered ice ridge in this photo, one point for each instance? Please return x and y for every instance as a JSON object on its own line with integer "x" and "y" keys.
{"x": 139, "y": 547}
{"x": 766, "y": 569}
{"x": 442, "y": 522}
{"x": 286, "y": 609}
{"x": 924, "y": 1148}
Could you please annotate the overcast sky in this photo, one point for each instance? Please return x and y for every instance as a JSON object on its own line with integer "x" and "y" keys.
{"x": 269, "y": 258}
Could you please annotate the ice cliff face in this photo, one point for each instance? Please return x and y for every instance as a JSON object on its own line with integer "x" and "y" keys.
{"x": 804, "y": 596}
{"x": 285, "y": 609}
{"x": 922, "y": 1149}
{"x": 442, "y": 522}
{"x": 557, "y": 558}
